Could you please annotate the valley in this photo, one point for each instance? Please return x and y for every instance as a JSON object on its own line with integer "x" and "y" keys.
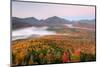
{"x": 52, "y": 43}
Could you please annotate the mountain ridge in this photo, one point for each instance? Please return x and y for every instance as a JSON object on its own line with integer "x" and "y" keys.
{"x": 51, "y": 21}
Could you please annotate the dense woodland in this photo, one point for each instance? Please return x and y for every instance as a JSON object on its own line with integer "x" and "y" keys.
{"x": 55, "y": 49}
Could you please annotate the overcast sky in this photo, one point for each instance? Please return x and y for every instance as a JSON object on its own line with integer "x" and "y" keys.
{"x": 43, "y": 11}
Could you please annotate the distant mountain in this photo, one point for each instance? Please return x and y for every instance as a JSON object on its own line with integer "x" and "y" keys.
{"x": 85, "y": 23}
{"x": 56, "y": 20}
{"x": 92, "y": 21}
{"x": 31, "y": 20}
{"x": 51, "y": 21}
{"x": 19, "y": 23}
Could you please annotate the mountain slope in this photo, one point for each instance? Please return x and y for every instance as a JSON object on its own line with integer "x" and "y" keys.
{"x": 56, "y": 21}
{"x": 19, "y": 23}
{"x": 51, "y": 22}
{"x": 85, "y": 23}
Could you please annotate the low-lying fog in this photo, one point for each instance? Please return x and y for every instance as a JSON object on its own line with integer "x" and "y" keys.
{"x": 37, "y": 32}
{"x": 31, "y": 31}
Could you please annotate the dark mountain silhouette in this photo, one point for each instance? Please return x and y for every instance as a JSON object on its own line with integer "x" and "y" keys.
{"x": 51, "y": 21}
{"x": 19, "y": 23}
{"x": 56, "y": 20}
{"x": 31, "y": 20}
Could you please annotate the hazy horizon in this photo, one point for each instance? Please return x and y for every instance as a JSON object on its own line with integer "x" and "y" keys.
{"x": 44, "y": 10}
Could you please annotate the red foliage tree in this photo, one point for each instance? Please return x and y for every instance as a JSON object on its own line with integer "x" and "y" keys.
{"x": 65, "y": 57}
